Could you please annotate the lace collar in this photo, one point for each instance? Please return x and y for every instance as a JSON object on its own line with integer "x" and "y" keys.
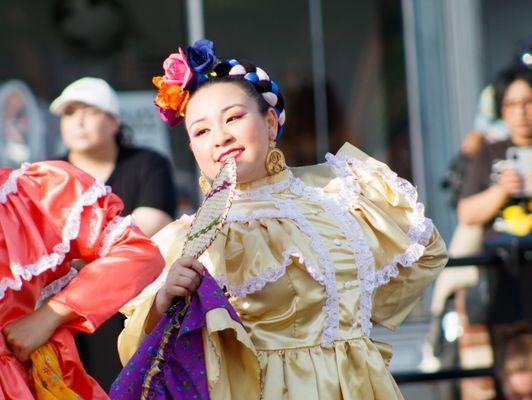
{"x": 267, "y": 185}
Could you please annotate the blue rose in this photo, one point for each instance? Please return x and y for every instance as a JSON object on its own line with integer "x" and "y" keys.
{"x": 201, "y": 56}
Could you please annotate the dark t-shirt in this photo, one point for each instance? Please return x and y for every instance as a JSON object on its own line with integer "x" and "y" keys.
{"x": 480, "y": 173}
{"x": 509, "y": 285}
{"x": 142, "y": 178}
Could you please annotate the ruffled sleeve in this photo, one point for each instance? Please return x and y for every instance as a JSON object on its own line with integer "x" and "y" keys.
{"x": 170, "y": 241}
{"x": 230, "y": 356}
{"x": 84, "y": 214}
{"x": 407, "y": 250}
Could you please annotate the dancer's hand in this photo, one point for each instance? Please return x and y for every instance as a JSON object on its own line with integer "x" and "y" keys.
{"x": 183, "y": 279}
{"x": 33, "y": 330}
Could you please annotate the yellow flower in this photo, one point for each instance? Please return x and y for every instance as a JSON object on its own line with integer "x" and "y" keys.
{"x": 518, "y": 221}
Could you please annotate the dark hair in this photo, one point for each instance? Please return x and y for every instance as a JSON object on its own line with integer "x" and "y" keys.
{"x": 121, "y": 138}
{"x": 513, "y": 349}
{"x": 246, "y": 86}
{"x": 505, "y": 79}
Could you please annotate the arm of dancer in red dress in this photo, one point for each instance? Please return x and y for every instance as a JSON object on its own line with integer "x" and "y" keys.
{"x": 121, "y": 262}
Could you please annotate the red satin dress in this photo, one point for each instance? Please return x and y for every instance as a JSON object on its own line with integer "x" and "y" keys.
{"x": 51, "y": 213}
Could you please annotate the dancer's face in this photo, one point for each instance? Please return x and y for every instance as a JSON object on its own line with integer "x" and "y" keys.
{"x": 222, "y": 119}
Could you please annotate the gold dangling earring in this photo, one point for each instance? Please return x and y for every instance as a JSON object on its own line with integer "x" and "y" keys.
{"x": 204, "y": 184}
{"x": 275, "y": 161}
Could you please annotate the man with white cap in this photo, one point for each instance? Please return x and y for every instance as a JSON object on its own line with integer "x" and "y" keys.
{"x": 92, "y": 133}
{"x": 91, "y": 91}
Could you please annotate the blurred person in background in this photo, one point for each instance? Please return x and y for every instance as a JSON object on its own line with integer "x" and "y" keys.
{"x": 493, "y": 182}
{"x": 514, "y": 363}
{"x": 95, "y": 140}
{"x": 93, "y": 135}
{"x": 487, "y": 126}
{"x": 496, "y": 196}
{"x": 504, "y": 110}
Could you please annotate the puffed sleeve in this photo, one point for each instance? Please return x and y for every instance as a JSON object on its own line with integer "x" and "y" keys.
{"x": 170, "y": 241}
{"x": 121, "y": 260}
{"x": 407, "y": 249}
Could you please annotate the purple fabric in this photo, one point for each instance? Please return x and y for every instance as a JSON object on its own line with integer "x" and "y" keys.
{"x": 183, "y": 374}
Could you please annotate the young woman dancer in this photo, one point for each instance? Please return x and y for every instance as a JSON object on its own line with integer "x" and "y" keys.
{"x": 310, "y": 257}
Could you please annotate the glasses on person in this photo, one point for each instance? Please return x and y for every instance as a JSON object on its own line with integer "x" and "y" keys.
{"x": 517, "y": 105}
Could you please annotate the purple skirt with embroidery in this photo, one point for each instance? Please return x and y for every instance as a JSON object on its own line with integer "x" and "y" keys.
{"x": 181, "y": 373}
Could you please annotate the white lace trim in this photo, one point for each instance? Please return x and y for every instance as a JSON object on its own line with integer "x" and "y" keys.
{"x": 256, "y": 283}
{"x": 56, "y": 286}
{"x": 52, "y": 260}
{"x": 421, "y": 228}
{"x": 278, "y": 214}
{"x": 10, "y": 185}
{"x": 419, "y": 232}
{"x": 287, "y": 210}
{"x": 114, "y": 229}
{"x": 338, "y": 206}
{"x": 364, "y": 260}
{"x": 331, "y": 330}
{"x": 263, "y": 192}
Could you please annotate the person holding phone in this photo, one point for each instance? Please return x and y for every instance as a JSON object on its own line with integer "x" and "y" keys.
{"x": 493, "y": 183}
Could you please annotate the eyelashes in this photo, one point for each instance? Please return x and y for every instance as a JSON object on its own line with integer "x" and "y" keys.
{"x": 235, "y": 117}
{"x": 200, "y": 132}
{"x": 230, "y": 119}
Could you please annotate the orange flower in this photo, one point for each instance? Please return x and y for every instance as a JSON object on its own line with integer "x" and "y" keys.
{"x": 170, "y": 96}
{"x": 158, "y": 81}
{"x": 184, "y": 103}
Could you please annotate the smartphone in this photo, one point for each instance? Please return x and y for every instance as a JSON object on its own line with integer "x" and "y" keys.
{"x": 519, "y": 158}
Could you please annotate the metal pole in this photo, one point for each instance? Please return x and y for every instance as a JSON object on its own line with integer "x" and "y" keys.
{"x": 463, "y": 37}
{"x": 444, "y": 374}
{"x": 195, "y": 31}
{"x": 195, "y": 20}
{"x": 318, "y": 75}
{"x": 414, "y": 106}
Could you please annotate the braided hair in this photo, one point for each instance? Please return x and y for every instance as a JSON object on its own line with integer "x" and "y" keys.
{"x": 187, "y": 71}
{"x": 255, "y": 82}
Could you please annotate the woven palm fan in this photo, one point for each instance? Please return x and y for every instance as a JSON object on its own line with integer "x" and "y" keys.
{"x": 204, "y": 228}
{"x": 212, "y": 212}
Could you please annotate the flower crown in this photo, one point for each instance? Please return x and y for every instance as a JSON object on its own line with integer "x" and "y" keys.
{"x": 185, "y": 71}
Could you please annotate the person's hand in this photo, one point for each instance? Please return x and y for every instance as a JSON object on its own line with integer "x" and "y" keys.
{"x": 510, "y": 182}
{"x": 472, "y": 143}
{"x": 183, "y": 279}
{"x": 28, "y": 333}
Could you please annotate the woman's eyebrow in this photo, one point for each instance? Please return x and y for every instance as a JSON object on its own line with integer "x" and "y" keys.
{"x": 223, "y": 110}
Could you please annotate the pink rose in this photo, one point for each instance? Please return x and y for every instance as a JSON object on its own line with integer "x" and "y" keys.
{"x": 177, "y": 70}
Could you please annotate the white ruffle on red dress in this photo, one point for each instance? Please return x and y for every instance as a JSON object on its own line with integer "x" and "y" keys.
{"x": 51, "y": 213}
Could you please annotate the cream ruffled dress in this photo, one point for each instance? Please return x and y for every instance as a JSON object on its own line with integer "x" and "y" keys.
{"x": 310, "y": 257}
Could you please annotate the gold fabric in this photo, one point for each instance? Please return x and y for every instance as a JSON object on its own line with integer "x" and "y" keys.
{"x": 48, "y": 377}
{"x": 306, "y": 323}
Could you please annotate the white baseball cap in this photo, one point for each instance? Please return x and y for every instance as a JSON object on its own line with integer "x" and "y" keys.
{"x": 92, "y": 91}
